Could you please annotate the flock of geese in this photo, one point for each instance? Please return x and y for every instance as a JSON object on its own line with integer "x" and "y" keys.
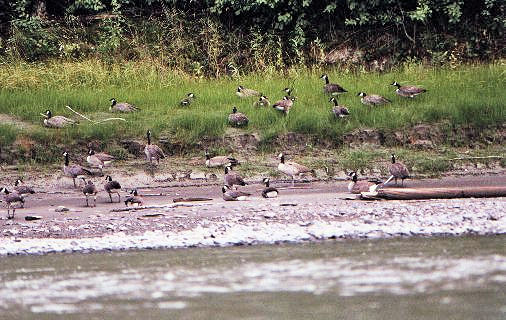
{"x": 232, "y": 180}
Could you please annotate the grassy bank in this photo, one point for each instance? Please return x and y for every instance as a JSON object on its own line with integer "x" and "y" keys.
{"x": 466, "y": 96}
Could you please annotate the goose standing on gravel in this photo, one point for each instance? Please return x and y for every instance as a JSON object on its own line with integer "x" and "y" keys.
{"x": 112, "y": 186}
{"x": 152, "y": 151}
{"x": 57, "y": 121}
{"x": 331, "y": 88}
{"x": 233, "y": 178}
{"x": 237, "y": 119}
{"x": 373, "y": 99}
{"x": 269, "y": 192}
{"x": 188, "y": 100}
{"x": 90, "y": 190}
{"x": 407, "y": 91}
{"x": 243, "y": 92}
{"x": 356, "y": 186}
{"x": 22, "y": 190}
{"x": 124, "y": 107}
{"x": 233, "y": 195}
{"x": 397, "y": 171}
{"x": 99, "y": 160}
{"x": 12, "y": 199}
{"x": 263, "y": 101}
{"x": 338, "y": 110}
{"x": 284, "y": 105}
{"x": 74, "y": 171}
{"x": 220, "y": 161}
{"x": 291, "y": 169}
{"x": 134, "y": 200}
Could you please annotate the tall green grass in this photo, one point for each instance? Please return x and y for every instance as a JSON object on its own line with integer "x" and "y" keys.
{"x": 470, "y": 95}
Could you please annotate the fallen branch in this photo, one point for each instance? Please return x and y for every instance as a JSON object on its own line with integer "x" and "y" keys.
{"x": 93, "y": 121}
{"x": 68, "y": 107}
{"x": 475, "y": 158}
{"x": 109, "y": 119}
{"x": 435, "y": 193}
{"x": 166, "y": 206}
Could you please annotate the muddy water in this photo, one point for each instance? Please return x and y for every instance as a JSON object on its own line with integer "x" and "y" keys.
{"x": 455, "y": 278}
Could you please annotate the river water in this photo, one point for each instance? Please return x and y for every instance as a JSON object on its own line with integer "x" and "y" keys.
{"x": 438, "y": 278}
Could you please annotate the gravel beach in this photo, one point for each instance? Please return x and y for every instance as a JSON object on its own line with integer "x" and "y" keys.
{"x": 308, "y": 212}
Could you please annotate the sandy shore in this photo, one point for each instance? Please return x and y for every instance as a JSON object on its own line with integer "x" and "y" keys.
{"x": 309, "y": 212}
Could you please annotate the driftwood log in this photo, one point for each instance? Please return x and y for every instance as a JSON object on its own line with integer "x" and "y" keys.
{"x": 435, "y": 193}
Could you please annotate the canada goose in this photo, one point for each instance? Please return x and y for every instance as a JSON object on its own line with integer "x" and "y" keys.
{"x": 243, "y": 92}
{"x": 12, "y": 199}
{"x": 219, "y": 161}
{"x": 339, "y": 111}
{"x": 407, "y": 91}
{"x": 233, "y": 178}
{"x": 269, "y": 192}
{"x": 22, "y": 190}
{"x": 237, "y": 119}
{"x": 74, "y": 171}
{"x": 263, "y": 101}
{"x": 291, "y": 168}
{"x": 134, "y": 200}
{"x": 373, "y": 99}
{"x": 57, "y": 121}
{"x": 152, "y": 151}
{"x": 284, "y": 105}
{"x": 99, "y": 160}
{"x": 331, "y": 88}
{"x": 112, "y": 186}
{"x": 233, "y": 195}
{"x": 89, "y": 190}
{"x": 121, "y": 106}
{"x": 356, "y": 186}
{"x": 188, "y": 100}
{"x": 397, "y": 170}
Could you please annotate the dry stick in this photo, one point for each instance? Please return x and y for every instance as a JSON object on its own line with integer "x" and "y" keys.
{"x": 472, "y": 158}
{"x": 94, "y": 122}
{"x": 167, "y": 206}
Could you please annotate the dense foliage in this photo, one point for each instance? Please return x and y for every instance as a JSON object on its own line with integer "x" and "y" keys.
{"x": 229, "y": 36}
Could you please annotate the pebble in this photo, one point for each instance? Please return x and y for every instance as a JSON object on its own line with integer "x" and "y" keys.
{"x": 61, "y": 209}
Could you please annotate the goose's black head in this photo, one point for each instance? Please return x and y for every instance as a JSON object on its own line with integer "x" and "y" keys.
{"x": 18, "y": 182}
{"x": 108, "y": 178}
{"x": 353, "y": 176}
{"x": 393, "y": 158}
{"x": 281, "y": 157}
{"x": 287, "y": 90}
{"x": 234, "y": 109}
{"x": 91, "y": 152}
{"x": 227, "y": 169}
{"x": 239, "y": 88}
{"x": 48, "y": 114}
{"x": 361, "y": 94}
{"x": 395, "y": 84}
{"x": 191, "y": 95}
{"x": 113, "y": 101}
{"x": 134, "y": 192}
{"x": 4, "y": 190}
{"x": 324, "y": 76}
{"x": 266, "y": 181}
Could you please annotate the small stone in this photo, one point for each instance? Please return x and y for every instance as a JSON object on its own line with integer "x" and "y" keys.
{"x": 61, "y": 209}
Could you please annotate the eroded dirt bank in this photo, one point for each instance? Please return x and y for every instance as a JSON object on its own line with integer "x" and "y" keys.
{"x": 310, "y": 211}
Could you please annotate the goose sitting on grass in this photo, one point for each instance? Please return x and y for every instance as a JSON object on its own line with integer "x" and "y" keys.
{"x": 233, "y": 195}
{"x": 220, "y": 161}
{"x": 373, "y": 99}
{"x": 243, "y": 92}
{"x": 187, "y": 100}
{"x": 57, "y": 122}
{"x": 331, "y": 88}
{"x": 237, "y": 119}
{"x": 338, "y": 110}
{"x": 263, "y": 101}
{"x": 284, "y": 105}
{"x": 407, "y": 91}
{"x": 124, "y": 107}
